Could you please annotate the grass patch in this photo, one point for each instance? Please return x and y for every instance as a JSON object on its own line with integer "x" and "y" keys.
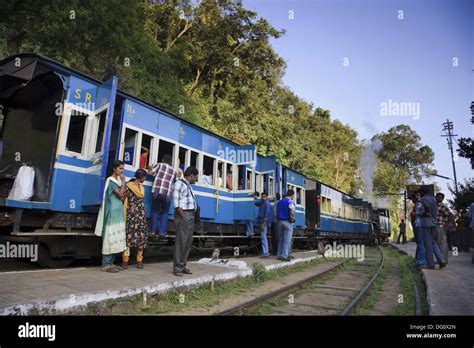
{"x": 111, "y": 303}
{"x": 409, "y": 273}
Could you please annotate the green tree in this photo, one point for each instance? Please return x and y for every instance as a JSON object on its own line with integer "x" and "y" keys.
{"x": 465, "y": 196}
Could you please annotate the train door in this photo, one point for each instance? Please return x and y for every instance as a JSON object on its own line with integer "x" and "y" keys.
{"x": 29, "y": 95}
{"x": 100, "y": 130}
{"x": 313, "y": 204}
{"x": 318, "y": 205}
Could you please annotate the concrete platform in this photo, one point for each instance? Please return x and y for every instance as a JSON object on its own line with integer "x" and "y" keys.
{"x": 57, "y": 291}
{"x": 450, "y": 290}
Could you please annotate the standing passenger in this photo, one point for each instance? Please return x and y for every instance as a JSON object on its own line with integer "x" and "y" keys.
{"x": 264, "y": 220}
{"x": 184, "y": 218}
{"x": 286, "y": 217}
{"x": 165, "y": 176}
{"x": 275, "y": 225}
{"x": 442, "y": 218}
{"x": 402, "y": 233}
{"x": 428, "y": 225}
{"x": 420, "y": 255}
{"x": 135, "y": 220}
{"x": 110, "y": 222}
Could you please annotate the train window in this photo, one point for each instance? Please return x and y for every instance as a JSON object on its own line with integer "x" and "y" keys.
{"x": 100, "y": 133}
{"x": 326, "y": 205}
{"x": 75, "y": 135}
{"x": 240, "y": 179}
{"x": 165, "y": 148}
{"x": 248, "y": 179}
{"x": 194, "y": 161}
{"x": 299, "y": 196}
{"x": 348, "y": 211}
{"x": 259, "y": 183}
{"x": 145, "y": 151}
{"x": 220, "y": 175}
{"x": 130, "y": 142}
{"x": 183, "y": 155}
{"x": 265, "y": 183}
{"x": 229, "y": 179}
{"x": 271, "y": 187}
{"x": 208, "y": 171}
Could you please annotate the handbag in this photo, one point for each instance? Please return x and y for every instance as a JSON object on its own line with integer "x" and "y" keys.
{"x": 197, "y": 211}
{"x": 292, "y": 215}
{"x": 197, "y": 214}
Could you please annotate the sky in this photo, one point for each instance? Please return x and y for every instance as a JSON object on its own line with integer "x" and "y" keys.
{"x": 364, "y": 59}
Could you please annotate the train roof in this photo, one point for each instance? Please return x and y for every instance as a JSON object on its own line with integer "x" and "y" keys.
{"x": 55, "y": 64}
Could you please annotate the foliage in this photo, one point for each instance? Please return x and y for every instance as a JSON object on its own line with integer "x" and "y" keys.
{"x": 402, "y": 160}
{"x": 464, "y": 197}
{"x": 466, "y": 149}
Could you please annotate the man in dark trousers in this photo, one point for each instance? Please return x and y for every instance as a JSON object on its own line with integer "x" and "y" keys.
{"x": 264, "y": 220}
{"x": 275, "y": 225}
{"x": 442, "y": 219}
{"x": 184, "y": 218}
{"x": 286, "y": 217}
{"x": 165, "y": 176}
{"x": 428, "y": 225}
{"x": 403, "y": 232}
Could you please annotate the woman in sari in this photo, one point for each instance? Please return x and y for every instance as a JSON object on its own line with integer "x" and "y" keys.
{"x": 135, "y": 218}
{"x": 110, "y": 222}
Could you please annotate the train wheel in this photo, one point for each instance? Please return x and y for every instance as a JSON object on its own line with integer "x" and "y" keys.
{"x": 46, "y": 260}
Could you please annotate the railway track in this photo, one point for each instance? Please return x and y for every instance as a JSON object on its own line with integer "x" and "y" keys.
{"x": 334, "y": 292}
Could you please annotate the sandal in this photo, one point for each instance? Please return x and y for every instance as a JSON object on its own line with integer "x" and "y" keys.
{"x": 120, "y": 268}
{"x": 140, "y": 265}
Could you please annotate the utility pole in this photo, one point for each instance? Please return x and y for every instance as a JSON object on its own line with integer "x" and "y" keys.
{"x": 448, "y": 128}
{"x": 472, "y": 112}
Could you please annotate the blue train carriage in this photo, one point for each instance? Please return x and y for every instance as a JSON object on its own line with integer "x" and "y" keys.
{"x": 342, "y": 216}
{"x": 70, "y": 128}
